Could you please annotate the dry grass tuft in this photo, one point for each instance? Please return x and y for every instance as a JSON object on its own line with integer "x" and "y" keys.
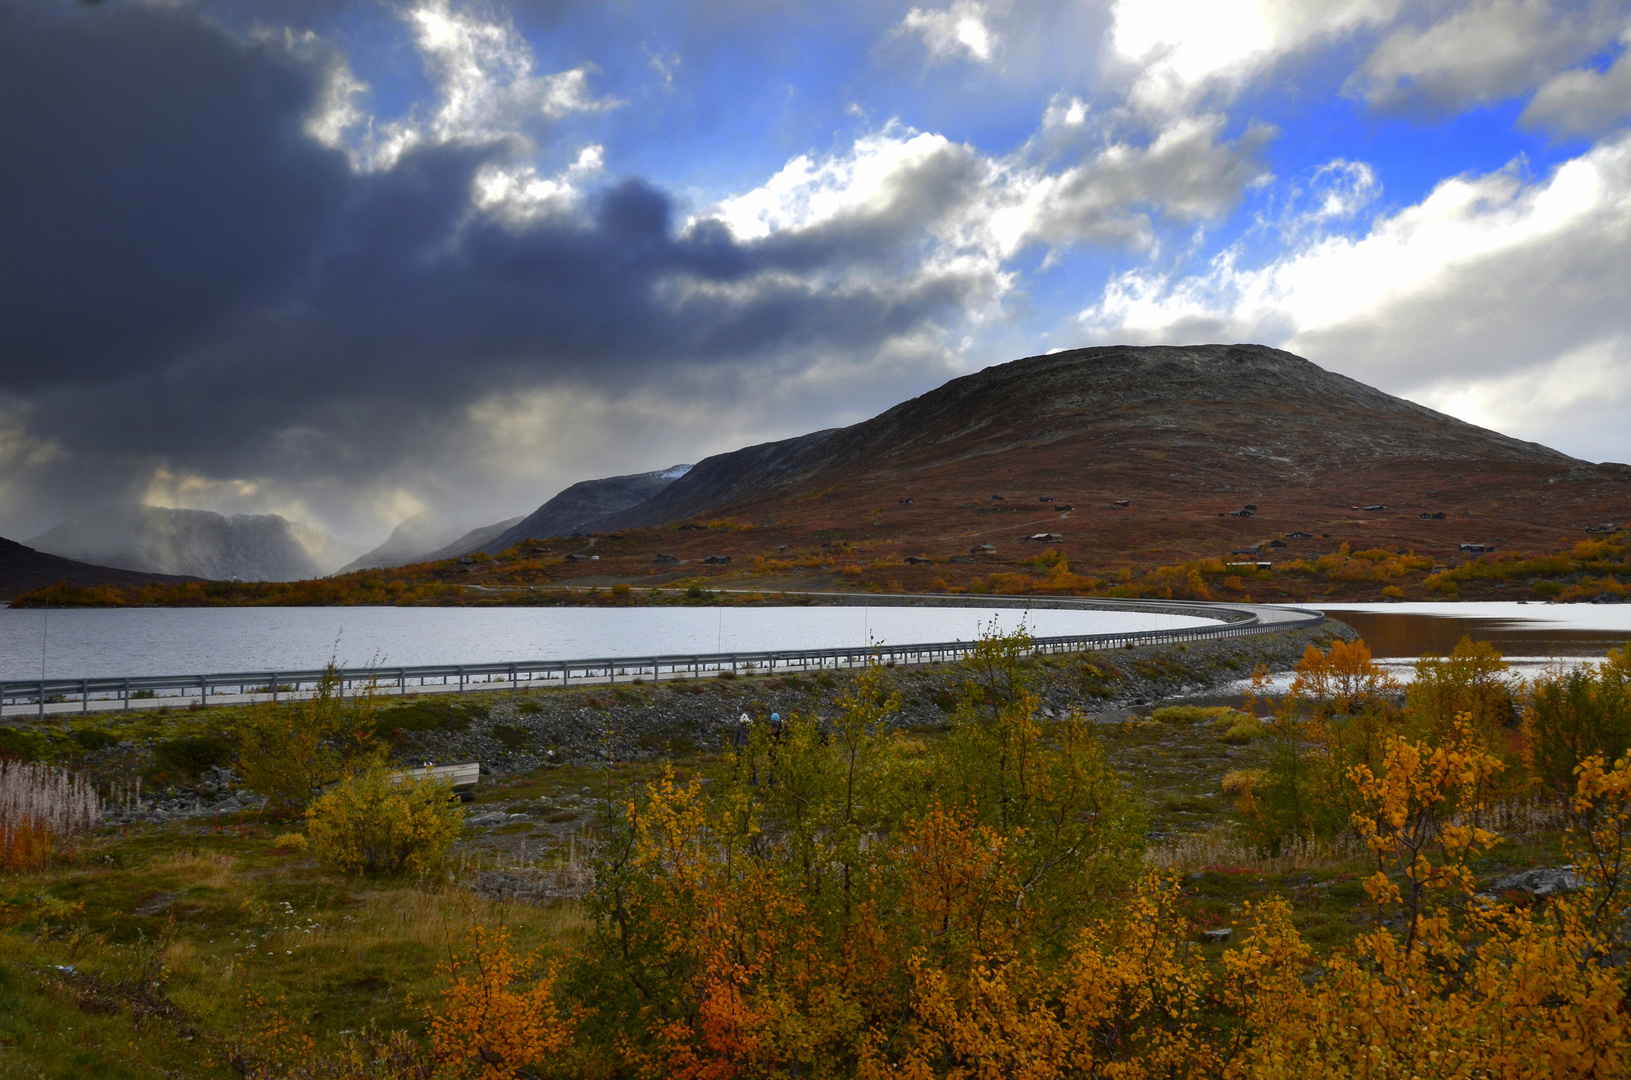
{"x": 40, "y": 807}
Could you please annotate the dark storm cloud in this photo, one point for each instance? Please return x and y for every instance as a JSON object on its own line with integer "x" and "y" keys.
{"x": 189, "y": 277}
{"x": 155, "y": 175}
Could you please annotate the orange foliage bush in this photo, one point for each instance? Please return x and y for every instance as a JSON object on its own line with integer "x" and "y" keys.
{"x": 498, "y": 1014}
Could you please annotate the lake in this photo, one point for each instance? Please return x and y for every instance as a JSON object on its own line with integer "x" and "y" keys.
{"x": 97, "y": 642}
{"x": 1531, "y": 636}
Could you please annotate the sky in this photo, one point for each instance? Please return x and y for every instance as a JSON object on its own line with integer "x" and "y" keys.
{"x": 352, "y": 260}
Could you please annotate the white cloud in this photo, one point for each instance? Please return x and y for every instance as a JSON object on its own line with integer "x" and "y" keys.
{"x": 1185, "y": 47}
{"x": 1488, "y": 277}
{"x": 1584, "y": 101}
{"x": 1577, "y": 402}
{"x": 486, "y": 90}
{"x": 520, "y": 195}
{"x": 992, "y": 208}
{"x": 961, "y": 30}
{"x": 1485, "y": 51}
{"x": 664, "y": 64}
{"x": 1333, "y": 192}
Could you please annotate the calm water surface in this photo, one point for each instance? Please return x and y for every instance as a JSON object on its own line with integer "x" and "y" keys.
{"x": 1532, "y": 637}
{"x": 94, "y": 643}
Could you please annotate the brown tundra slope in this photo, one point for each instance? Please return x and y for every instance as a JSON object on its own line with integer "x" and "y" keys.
{"x": 1185, "y": 435}
{"x": 22, "y": 569}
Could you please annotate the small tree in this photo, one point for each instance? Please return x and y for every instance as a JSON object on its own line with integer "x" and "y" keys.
{"x": 1575, "y": 715}
{"x": 376, "y": 823}
{"x": 289, "y": 753}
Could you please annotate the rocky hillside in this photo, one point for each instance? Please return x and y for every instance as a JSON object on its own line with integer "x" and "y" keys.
{"x": 23, "y": 569}
{"x": 1243, "y": 414}
{"x": 583, "y": 506}
{"x": 196, "y": 543}
{"x": 1137, "y": 454}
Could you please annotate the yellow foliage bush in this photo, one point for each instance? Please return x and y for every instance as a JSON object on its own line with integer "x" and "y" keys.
{"x": 372, "y": 823}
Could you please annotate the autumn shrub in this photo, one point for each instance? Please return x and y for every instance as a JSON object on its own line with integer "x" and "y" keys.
{"x": 1243, "y": 731}
{"x": 289, "y": 752}
{"x": 375, "y": 822}
{"x": 41, "y": 808}
{"x": 843, "y": 900}
{"x": 787, "y": 916}
{"x": 1575, "y": 715}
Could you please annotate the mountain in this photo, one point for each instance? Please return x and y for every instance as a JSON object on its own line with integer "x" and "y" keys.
{"x": 196, "y": 543}
{"x": 474, "y": 540}
{"x": 1208, "y": 417}
{"x": 1187, "y": 436}
{"x": 582, "y": 506}
{"x": 23, "y": 569}
{"x": 411, "y": 540}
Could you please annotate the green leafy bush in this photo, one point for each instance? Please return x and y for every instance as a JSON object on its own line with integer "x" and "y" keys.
{"x": 91, "y": 739}
{"x": 16, "y": 746}
{"x": 189, "y": 755}
{"x": 427, "y": 716}
{"x": 289, "y": 752}
{"x": 373, "y": 823}
{"x": 513, "y": 738}
{"x": 1193, "y": 714}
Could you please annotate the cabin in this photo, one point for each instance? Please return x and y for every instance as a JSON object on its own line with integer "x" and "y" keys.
{"x": 665, "y": 559}
{"x": 998, "y": 498}
{"x": 1369, "y": 509}
{"x": 691, "y": 526}
{"x": 1434, "y": 517}
{"x": 1045, "y": 498}
{"x": 1277, "y": 543}
{"x": 1240, "y": 513}
{"x": 1476, "y": 549}
{"x": 1045, "y": 538}
{"x": 717, "y": 560}
{"x": 1124, "y": 502}
{"x": 906, "y": 502}
{"x": 1252, "y": 507}
{"x": 467, "y": 561}
{"x": 1253, "y": 550}
{"x": 1064, "y": 508}
{"x": 983, "y": 549}
{"x": 918, "y": 560}
{"x": 578, "y": 556}
{"x": 1254, "y": 566}
{"x": 1604, "y": 527}
{"x": 1299, "y": 535}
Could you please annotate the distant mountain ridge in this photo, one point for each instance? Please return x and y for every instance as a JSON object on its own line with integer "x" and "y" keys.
{"x": 195, "y": 543}
{"x": 419, "y": 538}
{"x": 24, "y": 569}
{"x": 584, "y": 506}
{"x": 1112, "y": 410}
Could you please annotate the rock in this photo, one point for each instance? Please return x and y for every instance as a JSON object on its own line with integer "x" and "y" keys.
{"x": 1218, "y": 936}
{"x": 1541, "y": 881}
{"x": 484, "y": 821}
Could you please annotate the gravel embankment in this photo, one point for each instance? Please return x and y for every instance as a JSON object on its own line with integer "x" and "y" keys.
{"x": 523, "y": 732}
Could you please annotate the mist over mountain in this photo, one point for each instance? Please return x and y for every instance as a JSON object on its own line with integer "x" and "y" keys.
{"x": 196, "y": 543}
{"x": 414, "y": 539}
{"x": 584, "y": 505}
